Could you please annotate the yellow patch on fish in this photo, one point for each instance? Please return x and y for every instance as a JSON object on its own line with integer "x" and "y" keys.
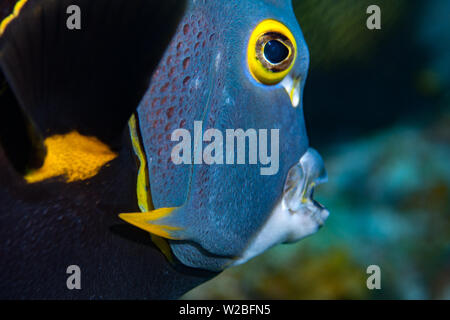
{"x": 74, "y": 156}
{"x": 143, "y": 194}
{"x": 19, "y": 5}
{"x": 143, "y": 186}
{"x": 143, "y": 220}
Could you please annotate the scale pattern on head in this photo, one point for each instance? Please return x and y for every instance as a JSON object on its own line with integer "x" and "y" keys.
{"x": 204, "y": 76}
{"x": 178, "y": 95}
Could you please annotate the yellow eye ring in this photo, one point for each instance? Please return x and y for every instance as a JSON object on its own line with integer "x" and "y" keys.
{"x": 269, "y": 34}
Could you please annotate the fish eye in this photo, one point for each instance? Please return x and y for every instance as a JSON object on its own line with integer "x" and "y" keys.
{"x": 275, "y": 51}
{"x": 271, "y": 52}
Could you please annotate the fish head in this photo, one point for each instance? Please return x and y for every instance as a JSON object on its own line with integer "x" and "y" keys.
{"x": 232, "y": 65}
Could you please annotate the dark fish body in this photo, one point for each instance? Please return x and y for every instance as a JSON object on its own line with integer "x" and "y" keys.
{"x": 87, "y": 81}
{"x": 47, "y": 227}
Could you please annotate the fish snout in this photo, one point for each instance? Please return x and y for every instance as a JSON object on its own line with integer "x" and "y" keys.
{"x": 296, "y": 215}
{"x": 299, "y": 187}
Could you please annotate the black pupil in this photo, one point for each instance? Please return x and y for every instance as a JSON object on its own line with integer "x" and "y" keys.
{"x": 275, "y": 51}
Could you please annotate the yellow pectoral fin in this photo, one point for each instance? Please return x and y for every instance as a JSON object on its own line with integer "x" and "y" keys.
{"x": 148, "y": 221}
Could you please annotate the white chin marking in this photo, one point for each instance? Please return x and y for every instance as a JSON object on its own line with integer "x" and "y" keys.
{"x": 296, "y": 215}
{"x": 292, "y": 86}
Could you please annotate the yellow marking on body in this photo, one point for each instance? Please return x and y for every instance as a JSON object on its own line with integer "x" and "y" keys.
{"x": 163, "y": 246}
{"x": 142, "y": 189}
{"x": 143, "y": 220}
{"x": 73, "y": 156}
{"x": 16, "y": 11}
{"x": 143, "y": 186}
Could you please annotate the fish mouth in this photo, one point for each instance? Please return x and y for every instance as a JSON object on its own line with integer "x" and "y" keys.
{"x": 296, "y": 215}
{"x": 299, "y": 187}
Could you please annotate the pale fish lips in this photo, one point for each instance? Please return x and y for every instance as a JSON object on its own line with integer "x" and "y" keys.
{"x": 299, "y": 187}
{"x": 297, "y": 214}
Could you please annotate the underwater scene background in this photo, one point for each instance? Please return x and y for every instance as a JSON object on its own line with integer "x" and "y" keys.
{"x": 377, "y": 106}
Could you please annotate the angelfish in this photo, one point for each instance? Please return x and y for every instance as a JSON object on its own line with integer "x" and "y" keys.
{"x": 231, "y": 64}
